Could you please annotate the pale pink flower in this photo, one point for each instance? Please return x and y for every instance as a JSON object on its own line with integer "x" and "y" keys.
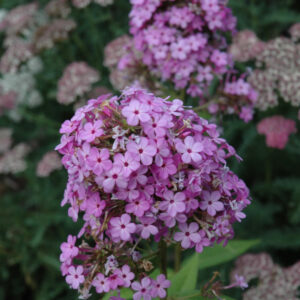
{"x": 136, "y": 112}
{"x": 211, "y": 202}
{"x": 122, "y": 228}
{"x": 75, "y": 277}
{"x": 174, "y": 203}
{"x": 190, "y": 150}
{"x": 188, "y": 235}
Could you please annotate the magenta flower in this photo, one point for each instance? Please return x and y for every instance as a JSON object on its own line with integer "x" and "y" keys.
{"x": 174, "y": 203}
{"x": 115, "y": 281}
{"x": 135, "y": 112}
{"x": 99, "y": 161}
{"x": 128, "y": 163}
{"x": 75, "y": 277}
{"x": 122, "y": 228}
{"x": 126, "y": 275}
{"x": 69, "y": 250}
{"x": 143, "y": 150}
{"x": 188, "y": 235}
{"x": 166, "y": 169}
{"x": 211, "y": 202}
{"x": 143, "y": 289}
{"x": 146, "y": 228}
{"x": 91, "y": 131}
{"x": 190, "y": 150}
{"x": 101, "y": 284}
{"x": 114, "y": 178}
{"x": 137, "y": 207}
{"x": 159, "y": 285}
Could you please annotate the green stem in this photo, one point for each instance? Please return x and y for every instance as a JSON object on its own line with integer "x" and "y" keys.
{"x": 177, "y": 258}
{"x": 163, "y": 257}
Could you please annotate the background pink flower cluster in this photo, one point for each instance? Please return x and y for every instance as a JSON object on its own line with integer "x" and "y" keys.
{"x": 141, "y": 168}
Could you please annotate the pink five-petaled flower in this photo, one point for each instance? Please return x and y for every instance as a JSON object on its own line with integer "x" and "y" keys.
{"x": 143, "y": 151}
{"x": 91, "y": 131}
{"x": 135, "y": 112}
{"x": 126, "y": 275}
{"x": 189, "y": 150}
{"x": 99, "y": 160}
{"x": 210, "y": 202}
{"x": 75, "y": 277}
{"x": 115, "y": 178}
{"x": 137, "y": 206}
{"x": 101, "y": 284}
{"x": 188, "y": 235}
{"x": 128, "y": 163}
{"x": 173, "y": 204}
{"x": 146, "y": 228}
{"x": 69, "y": 250}
{"x": 121, "y": 227}
{"x": 159, "y": 285}
{"x": 143, "y": 289}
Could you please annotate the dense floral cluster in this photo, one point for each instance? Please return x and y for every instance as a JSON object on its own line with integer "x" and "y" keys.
{"x": 140, "y": 168}
{"x": 76, "y": 81}
{"x": 185, "y": 43}
{"x": 84, "y": 3}
{"x": 274, "y": 282}
{"x": 11, "y": 157}
{"x": 277, "y": 67}
{"x": 277, "y": 130}
{"x": 49, "y": 163}
{"x": 20, "y": 89}
{"x": 246, "y": 46}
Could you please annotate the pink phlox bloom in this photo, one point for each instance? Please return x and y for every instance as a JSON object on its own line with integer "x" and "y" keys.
{"x": 75, "y": 277}
{"x": 128, "y": 163}
{"x": 69, "y": 250}
{"x": 122, "y": 228}
{"x": 143, "y": 289}
{"x": 220, "y": 59}
{"x": 190, "y": 150}
{"x": 126, "y": 275}
{"x": 137, "y": 207}
{"x": 174, "y": 203}
{"x": 211, "y": 202}
{"x": 130, "y": 193}
{"x": 144, "y": 151}
{"x": 191, "y": 203}
{"x": 98, "y": 161}
{"x": 138, "y": 177}
{"x": 162, "y": 151}
{"x": 170, "y": 222}
{"x": 156, "y": 127}
{"x": 115, "y": 178}
{"x": 136, "y": 112}
{"x": 91, "y": 131}
{"x": 146, "y": 228}
{"x": 101, "y": 284}
{"x": 204, "y": 241}
{"x": 188, "y": 235}
{"x": 159, "y": 285}
{"x": 166, "y": 169}
{"x": 95, "y": 205}
{"x": 115, "y": 281}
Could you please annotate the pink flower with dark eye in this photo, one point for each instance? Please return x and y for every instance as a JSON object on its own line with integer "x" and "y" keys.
{"x": 166, "y": 169}
{"x": 188, "y": 235}
{"x": 91, "y": 131}
{"x": 128, "y": 163}
{"x": 69, "y": 250}
{"x": 99, "y": 161}
{"x": 146, "y": 228}
{"x": 137, "y": 207}
{"x": 159, "y": 285}
{"x": 122, "y": 228}
{"x": 126, "y": 275}
{"x": 75, "y": 277}
{"x": 101, "y": 284}
{"x": 114, "y": 178}
{"x": 189, "y": 150}
{"x": 143, "y": 289}
{"x": 174, "y": 203}
{"x": 143, "y": 151}
{"x": 211, "y": 202}
{"x": 115, "y": 281}
{"x": 157, "y": 126}
{"x": 136, "y": 112}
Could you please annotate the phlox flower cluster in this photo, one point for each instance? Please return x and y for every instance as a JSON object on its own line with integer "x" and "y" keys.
{"x": 76, "y": 81}
{"x": 142, "y": 168}
{"x": 274, "y": 282}
{"x": 185, "y": 43}
{"x": 49, "y": 163}
{"x": 277, "y": 130}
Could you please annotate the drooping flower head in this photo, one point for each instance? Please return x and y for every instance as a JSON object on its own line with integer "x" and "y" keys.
{"x": 277, "y": 130}
{"x": 143, "y": 168}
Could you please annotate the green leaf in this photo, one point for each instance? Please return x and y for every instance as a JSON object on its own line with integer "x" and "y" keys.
{"x": 218, "y": 254}
{"x": 186, "y": 279}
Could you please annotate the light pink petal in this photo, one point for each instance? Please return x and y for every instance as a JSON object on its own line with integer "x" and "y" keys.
{"x": 186, "y": 158}
{"x": 146, "y": 160}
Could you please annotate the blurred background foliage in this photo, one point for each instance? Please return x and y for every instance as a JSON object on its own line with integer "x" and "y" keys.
{"x": 32, "y": 223}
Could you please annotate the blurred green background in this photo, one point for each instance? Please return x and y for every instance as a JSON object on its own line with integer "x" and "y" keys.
{"x": 32, "y": 223}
